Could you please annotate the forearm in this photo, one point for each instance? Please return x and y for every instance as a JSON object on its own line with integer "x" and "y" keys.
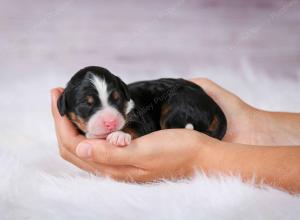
{"x": 276, "y": 166}
{"x": 277, "y": 128}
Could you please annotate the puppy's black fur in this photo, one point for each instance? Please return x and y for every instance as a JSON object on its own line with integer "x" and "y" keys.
{"x": 74, "y": 101}
{"x": 176, "y": 103}
{"x": 158, "y": 104}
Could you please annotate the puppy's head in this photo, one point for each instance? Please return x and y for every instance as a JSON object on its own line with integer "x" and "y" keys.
{"x": 96, "y": 101}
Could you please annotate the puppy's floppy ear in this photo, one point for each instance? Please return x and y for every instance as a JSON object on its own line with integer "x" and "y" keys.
{"x": 61, "y": 104}
{"x": 124, "y": 88}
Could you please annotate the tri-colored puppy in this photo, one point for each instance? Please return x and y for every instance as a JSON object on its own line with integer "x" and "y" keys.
{"x": 101, "y": 105}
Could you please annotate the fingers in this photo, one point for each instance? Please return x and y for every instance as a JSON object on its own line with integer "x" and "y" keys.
{"x": 100, "y": 151}
{"x": 68, "y": 156}
{"x": 210, "y": 87}
{"x": 120, "y": 173}
{"x": 135, "y": 154}
{"x": 58, "y": 119}
{"x": 55, "y": 94}
{"x": 66, "y": 132}
{"x": 221, "y": 96}
{"x": 96, "y": 156}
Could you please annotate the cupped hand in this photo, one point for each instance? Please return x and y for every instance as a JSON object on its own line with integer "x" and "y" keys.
{"x": 173, "y": 153}
{"x": 165, "y": 154}
{"x": 242, "y": 118}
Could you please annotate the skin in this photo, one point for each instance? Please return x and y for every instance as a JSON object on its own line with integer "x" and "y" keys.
{"x": 247, "y": 149}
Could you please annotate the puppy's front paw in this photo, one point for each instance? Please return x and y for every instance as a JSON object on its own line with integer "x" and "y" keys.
{"x": 119, "y": 138}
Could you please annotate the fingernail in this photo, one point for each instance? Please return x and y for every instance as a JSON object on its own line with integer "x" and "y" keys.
{"x": 84, "y": 150}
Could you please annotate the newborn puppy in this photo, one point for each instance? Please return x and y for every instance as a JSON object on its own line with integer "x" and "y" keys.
{"x": 101, "y": 105}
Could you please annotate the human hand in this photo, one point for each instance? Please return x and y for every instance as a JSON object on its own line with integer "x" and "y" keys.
{"x": 242, "y": 119}
{"x": 177, "y": 153}
{"x": 173, "y": 153}
{"x": 67, "y": 135}
{"x": 165, "y": 154}
{"x": 147, "y": 158}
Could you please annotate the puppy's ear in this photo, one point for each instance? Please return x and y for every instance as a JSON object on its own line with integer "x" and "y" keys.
{"x": 62, "y": 105}
{"x": 124, "y": 88}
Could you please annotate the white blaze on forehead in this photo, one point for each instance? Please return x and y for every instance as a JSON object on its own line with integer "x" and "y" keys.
{"x": 101, "y": 87}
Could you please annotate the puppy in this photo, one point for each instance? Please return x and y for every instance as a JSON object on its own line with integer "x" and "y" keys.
{"x": 101, "y": 105}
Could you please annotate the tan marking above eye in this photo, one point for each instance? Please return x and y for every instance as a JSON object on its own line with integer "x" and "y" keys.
{"x": 79, "y": 122}
{"x": 115, "y": 95}
{"x": 90, "y": 100}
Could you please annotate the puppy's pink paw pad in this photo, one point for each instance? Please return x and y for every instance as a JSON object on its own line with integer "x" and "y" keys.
{"x": 119, "y": 138}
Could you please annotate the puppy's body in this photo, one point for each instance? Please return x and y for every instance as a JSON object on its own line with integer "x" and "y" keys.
{"x": 174, "y": 103}
{"x": 101, "y": 105}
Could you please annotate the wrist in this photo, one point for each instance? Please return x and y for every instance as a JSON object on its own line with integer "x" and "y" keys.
{"x": 208, "y": 153}
{"x": 258, "y": 129}
{"x": 255, "y": 127}
{"x": 224, "y": 158}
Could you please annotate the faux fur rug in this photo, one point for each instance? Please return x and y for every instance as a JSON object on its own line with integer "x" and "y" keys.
{"x": 37, "y": 184}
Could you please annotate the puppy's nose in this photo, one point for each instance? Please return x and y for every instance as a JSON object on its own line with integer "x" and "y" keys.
{"x": 110, "y": 124}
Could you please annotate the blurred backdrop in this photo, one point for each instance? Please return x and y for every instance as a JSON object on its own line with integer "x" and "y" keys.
{"x": 157, "y": 38}
{"x": 250, "y": 47}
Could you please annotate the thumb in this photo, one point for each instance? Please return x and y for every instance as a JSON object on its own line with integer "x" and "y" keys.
{"x": 100, "y": 151}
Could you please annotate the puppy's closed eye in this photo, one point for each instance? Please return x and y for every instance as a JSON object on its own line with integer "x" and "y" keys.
{"x": 86, "y": 104}
{"x": 115, "y": 95}
{"x": 90, "y": 100}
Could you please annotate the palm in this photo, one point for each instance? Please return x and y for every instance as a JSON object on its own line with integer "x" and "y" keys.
{"x": 239, "y": 114}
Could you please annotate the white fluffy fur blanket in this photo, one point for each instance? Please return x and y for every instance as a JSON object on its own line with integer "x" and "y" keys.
{"x": 37, "y": 184}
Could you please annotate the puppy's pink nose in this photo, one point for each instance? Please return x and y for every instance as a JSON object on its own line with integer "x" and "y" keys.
{"x": 111, "y": 124}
